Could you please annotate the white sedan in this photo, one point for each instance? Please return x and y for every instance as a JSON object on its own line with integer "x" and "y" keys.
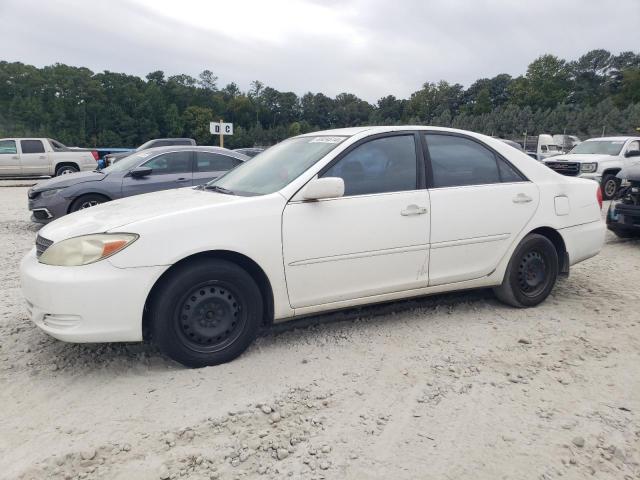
{"x": 320, "y": 222}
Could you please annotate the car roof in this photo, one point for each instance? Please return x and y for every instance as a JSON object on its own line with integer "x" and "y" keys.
{"x": 196, "y": 148}
{"x": 621, "y": 137}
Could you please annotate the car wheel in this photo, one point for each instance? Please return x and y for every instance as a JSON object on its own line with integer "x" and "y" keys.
{"x": 206, "y": 313}
{"x": 87, "y": 201}
{"x": 610, "y": 185}
{"x": 531, "y": 274}
{"x": 66, "y": 170}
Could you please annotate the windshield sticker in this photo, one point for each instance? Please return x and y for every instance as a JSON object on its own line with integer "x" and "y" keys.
{"x": 326, "y": 140}
{"x": 617, "y": 142}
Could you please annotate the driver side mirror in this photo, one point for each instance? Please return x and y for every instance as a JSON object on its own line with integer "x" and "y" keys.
{"x": 140, "y": 172}
{"x": 632, "y": 153}
{"x": 320, "y": 188}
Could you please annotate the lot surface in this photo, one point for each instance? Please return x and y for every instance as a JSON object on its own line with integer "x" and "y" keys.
{"x": 448, "y": 387}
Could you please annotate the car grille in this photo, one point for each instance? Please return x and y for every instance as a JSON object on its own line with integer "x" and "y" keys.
{"x": 42, "y": 244}
{"x": 565, "y": 168}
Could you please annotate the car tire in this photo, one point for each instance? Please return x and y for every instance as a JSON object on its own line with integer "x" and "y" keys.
{"x": 531, "y": 274}
{"x": 87, "y": 201}
{"x": 66, "y": 169}
{"x": 205, "y": 313}
{"x": 610, "y": 185}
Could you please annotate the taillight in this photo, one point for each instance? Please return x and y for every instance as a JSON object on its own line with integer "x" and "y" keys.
{"x": 96, "y": 157}
{"x": 599, "y": 196}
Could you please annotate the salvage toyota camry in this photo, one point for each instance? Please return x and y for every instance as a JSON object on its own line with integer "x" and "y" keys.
{"x": 319, "y": 222}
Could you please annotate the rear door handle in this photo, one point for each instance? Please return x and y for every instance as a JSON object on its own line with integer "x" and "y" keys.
{"x": 413, "y": 209}
{"x": 182, "y": 180}
{"x": 522, "y": 198}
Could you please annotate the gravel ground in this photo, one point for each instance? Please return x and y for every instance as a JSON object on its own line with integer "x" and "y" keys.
{"x": 447, "y": 387}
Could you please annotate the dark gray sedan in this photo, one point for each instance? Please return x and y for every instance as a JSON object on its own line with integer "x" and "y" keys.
{"x": 147, "y": 171}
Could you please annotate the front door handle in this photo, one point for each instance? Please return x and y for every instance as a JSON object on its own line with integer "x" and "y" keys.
{"x": 522, "y": 198}
{"x": 413, "y": 209}
{"x": 15, "y": 157}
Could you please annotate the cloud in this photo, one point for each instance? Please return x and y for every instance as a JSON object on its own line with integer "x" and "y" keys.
{"x": 367, "y": 47}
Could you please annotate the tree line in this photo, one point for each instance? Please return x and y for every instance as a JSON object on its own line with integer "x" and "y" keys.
{"x": 598, "y": 91}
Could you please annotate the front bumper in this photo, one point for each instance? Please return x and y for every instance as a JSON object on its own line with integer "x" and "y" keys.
{"x": 623, "y": 217}
{"x": 47, "y": 209}
{"x": 91, "y": 303}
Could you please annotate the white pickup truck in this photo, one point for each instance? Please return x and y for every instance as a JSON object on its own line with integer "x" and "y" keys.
{"x": 36, "y": 157}
{"x": 599, "y": 159}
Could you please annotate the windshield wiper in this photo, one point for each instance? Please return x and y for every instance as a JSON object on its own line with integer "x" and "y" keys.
{"x": 219, "y": 189}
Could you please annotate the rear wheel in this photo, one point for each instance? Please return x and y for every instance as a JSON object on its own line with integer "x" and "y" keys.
{"x": 610, "y": 185}
{"x": 66, "y": 170}
{"x": 206, "y": 313}
{"x": 87, "y": 201}
{"x": 531, "y": 274}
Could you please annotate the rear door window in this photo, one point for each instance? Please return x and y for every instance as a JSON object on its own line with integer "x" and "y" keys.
{"x": 172, "y": 162}
{"x": 457, "y": 161}
{"x": 31, "y": 146}
{"x": 215, "y": 162}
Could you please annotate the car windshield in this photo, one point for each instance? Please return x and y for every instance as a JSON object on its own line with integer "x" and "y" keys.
{"x": 276, "y": 167}
{"x": 602, "y": 147}
{"x": 128, "y": 163}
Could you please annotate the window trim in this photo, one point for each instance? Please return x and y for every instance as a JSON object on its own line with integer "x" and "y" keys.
{"x": 419, "y": 158}
{"x": 497, "y": 156}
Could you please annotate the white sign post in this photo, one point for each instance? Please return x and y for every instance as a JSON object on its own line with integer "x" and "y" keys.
{"x": 222, "y": 129}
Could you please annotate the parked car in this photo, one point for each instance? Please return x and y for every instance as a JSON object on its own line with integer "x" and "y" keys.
{"x": 38, "y": 157}
{"x": 250, "y": 152}
{"x": 150, "y": 170}
{"x": 599, "y": 159}
{"x": 157, "y": 142}
{"x": 319, "y": 222}
{"x": 623, "y": 217}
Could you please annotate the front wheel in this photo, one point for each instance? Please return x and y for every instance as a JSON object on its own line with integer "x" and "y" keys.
{"x": 531, "y": 274}
{"x": 610, "y": 185}
{"x": 87, "y": 201}
{"x": 206, "y": 313}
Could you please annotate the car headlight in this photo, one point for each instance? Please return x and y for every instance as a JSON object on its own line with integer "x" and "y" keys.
{"x": 86, "y": 249}
{"x": 589, "y": 167}
{"x": 52, "y": 192}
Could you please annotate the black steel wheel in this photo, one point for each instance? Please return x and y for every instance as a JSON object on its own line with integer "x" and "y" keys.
{"x": 209, "y": 318}
{"x": 531, "y": 274}
{"x": 205, "y": 312}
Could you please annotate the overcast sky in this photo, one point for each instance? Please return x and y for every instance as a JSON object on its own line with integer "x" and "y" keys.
{"x": 368, "y": 47}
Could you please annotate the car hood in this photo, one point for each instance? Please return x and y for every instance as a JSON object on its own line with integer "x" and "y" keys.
{"x": 67, "y": 180}
{"x": 119, "y": 213}
{"x": 582, "y": 158}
